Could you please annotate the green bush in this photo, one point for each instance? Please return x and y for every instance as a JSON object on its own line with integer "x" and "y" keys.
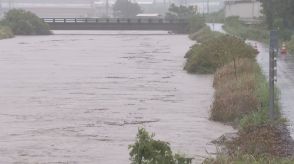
{"x": 24, "y": 22}
{"x": 217, "y": 52}
{"x": 146, "y": 150}
{"x": 5, "y": 32}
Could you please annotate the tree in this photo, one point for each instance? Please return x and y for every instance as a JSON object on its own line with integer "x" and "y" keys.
{"x": 146, "y": 150}
{"x": 126, "y": 9}
{"x": 24, "y": 22}
{"x": 180, "y": 12}
{"x": 280, "y": 14}
{"x": 196, "y": 22}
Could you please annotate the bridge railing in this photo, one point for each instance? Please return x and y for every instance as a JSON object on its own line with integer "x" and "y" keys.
{"x": 112, "y": 20}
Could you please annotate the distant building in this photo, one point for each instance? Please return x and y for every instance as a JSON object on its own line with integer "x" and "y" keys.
{"x": 148, "y": 15}
{"x": 249, "y": 10}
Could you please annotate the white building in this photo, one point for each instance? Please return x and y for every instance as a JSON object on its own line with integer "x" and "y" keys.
{"x": 245, "y": 9}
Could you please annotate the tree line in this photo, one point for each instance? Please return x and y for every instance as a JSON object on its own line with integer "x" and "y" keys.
{"x": 279, "y": 14}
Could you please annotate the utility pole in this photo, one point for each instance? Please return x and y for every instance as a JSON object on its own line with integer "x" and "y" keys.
{"x": 107, "y": 8}
{"x": 207, "y": 7}
{"x": 11, "y": 4}
{"x": 272, "y": 63}
{"x": 1, "y": 9}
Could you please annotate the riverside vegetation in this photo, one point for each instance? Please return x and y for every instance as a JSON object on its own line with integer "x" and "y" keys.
{"x": 240, "y": 99}
{"x": 147, "y": 150}
{"x": 21, "y": 22}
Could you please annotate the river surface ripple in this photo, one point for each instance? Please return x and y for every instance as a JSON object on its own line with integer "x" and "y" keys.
{"x": 81, "y": 98}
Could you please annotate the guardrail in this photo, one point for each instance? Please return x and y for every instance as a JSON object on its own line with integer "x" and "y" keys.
{"x": 112, "y": 20}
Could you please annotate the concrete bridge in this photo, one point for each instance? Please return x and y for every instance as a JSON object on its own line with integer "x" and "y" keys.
{"x": 155, "y": 24}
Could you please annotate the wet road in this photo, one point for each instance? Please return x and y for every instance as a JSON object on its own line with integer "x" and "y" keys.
{"x": 81, "y": 98}
{"x": 285, "y": 81}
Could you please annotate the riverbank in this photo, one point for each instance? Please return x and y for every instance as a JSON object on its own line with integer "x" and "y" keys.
{"x": 241, "y": 99}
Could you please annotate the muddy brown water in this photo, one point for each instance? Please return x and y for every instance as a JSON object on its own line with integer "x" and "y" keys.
{"x": 81, "y": 98}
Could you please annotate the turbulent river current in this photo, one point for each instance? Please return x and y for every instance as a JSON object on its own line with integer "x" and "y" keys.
{"x": 80, "y": 97}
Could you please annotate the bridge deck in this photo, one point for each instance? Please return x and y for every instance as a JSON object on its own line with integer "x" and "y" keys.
{"x": 175, "y": 25}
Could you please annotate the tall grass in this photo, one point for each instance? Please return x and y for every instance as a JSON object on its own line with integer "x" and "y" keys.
{"x": 235, "y": 85}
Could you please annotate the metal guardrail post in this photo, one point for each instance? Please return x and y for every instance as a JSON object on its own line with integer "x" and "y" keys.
{"x": 272, "y": 71}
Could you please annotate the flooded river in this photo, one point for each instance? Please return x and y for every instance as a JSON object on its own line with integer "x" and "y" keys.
{"x": 81, "y": 98}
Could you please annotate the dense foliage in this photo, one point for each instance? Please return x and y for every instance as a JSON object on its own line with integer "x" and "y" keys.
{"x": 146, "y": 150}
{"x": 25, "y": 23}
{"x": 126, "y": 9}
{"x": 196, "y": 22}
{"x": 215, "y": 53}
{"x": 180, "y": 12}
{"x": 280, "y": 14}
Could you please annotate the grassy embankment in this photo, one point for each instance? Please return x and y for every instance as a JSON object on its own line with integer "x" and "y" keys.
{"x": 20, "y": 22}
{"x": 240, "y": 99}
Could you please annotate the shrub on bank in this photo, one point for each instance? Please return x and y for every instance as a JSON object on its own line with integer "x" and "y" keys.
{"x": 24, "y": 22}
{"x": 247, "y": 159}
{"x": 5, "y": 32}
{"x": 146, "y": 150}
{"x": 265, "y": 139}
{"x": 217, "y": 52}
